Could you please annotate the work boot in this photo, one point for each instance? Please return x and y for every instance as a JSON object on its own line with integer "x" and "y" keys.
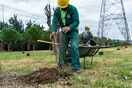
{"x": 77, "y": 71}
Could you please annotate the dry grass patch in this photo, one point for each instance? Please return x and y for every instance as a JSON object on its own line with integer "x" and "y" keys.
{"x": 111, "y": 70}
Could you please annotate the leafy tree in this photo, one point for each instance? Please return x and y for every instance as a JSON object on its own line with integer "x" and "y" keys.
{"x": 26, "y": 37}
{"x": 45, "y": 36}
{"x": 20, "y": 44}
{"x": 16, "y": 24}
{"x": 29, "y": 24}
{"x": 2, "y": 25}
{"x": 32, "y": 35}
{"x": 9, "y": 36}
{"x": 39, "y": 27}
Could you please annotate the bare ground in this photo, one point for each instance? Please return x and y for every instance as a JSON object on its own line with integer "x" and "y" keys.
{"x": 42, "y": 76}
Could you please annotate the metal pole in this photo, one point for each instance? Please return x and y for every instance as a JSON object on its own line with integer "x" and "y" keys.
{"x": 3, "y": 12}
{"x": 128, "y": 37}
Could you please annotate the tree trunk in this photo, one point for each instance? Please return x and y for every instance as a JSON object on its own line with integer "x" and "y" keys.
{"x": 8, "y": 46}
{"x": 34, "y": 46}
{"x": 28, "y": 46}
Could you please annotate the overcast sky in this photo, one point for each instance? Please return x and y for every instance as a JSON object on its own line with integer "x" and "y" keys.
{"x": 89, "y": 12}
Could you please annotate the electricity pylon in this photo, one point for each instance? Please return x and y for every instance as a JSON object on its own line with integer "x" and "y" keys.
{"x": 113, "y": 11}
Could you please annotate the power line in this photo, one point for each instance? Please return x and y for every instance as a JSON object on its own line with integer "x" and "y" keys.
{"x": 20, "y": 12}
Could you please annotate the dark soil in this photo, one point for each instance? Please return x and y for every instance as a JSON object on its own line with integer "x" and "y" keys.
{"x": 44, "y": 76}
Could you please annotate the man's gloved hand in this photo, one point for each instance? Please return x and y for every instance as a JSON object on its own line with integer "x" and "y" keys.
{"x": 66, "y": 29}
{"x": 52, "y": 35}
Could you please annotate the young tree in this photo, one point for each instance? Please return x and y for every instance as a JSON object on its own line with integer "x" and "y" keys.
{"x": 48, "y": 14}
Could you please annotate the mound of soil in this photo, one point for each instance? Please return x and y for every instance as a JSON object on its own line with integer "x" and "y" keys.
{"x": 44, "y": 76}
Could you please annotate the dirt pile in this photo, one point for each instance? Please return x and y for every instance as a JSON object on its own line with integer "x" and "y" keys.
{"x": 43, "y": 76}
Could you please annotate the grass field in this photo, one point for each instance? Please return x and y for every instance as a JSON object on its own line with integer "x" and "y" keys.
{"x": 111, "y": 70}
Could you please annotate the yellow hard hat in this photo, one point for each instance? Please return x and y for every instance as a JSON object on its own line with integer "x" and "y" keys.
{"x": 87, "y": 27}
{"x": 63, "y": 3}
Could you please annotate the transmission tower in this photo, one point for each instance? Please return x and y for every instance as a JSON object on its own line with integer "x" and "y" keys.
{"x": 112, "y": 11}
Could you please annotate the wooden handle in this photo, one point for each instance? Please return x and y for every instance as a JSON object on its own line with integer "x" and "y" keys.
{"x": 47, "y": 42}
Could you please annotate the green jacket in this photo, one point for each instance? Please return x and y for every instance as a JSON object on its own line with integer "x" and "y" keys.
{"x": 72, "y": 18}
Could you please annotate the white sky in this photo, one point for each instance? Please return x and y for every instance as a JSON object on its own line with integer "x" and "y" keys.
{"x": 89, "y": 12}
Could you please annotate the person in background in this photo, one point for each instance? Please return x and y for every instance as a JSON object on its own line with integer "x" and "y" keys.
{"x": 68, "y": 18}
{"x": 86, "y": 36}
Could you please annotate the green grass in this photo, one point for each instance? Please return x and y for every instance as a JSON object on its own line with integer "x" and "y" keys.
{"x": 111, "y": 70}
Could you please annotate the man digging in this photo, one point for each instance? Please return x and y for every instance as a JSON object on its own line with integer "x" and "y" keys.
{"x": 68, "y": 18}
